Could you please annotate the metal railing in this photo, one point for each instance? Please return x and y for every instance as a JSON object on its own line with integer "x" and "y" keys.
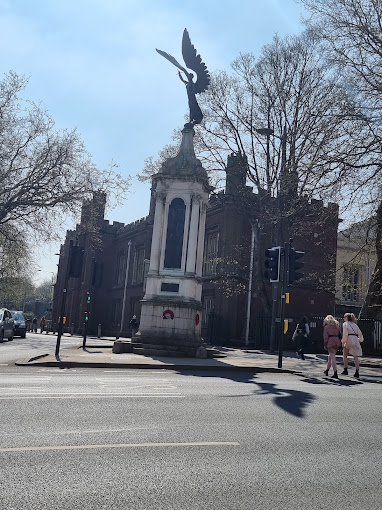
{"x": 260, "y": 328}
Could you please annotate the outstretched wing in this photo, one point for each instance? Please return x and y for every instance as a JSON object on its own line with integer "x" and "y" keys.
{"x": 171, "y": 59}
{"x": 194, "y": 62}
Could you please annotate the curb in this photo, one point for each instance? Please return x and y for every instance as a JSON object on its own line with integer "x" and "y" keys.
{"x": 151, "y": 366}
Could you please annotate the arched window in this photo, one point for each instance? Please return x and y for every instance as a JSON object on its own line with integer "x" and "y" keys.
{"x": 174, "y": 238}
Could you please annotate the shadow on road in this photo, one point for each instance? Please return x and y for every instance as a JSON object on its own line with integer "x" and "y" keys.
{"x": 342, "y": 381}
{"x": 291, "y": 401}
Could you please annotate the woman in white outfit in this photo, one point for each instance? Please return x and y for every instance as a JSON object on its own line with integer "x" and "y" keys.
{"x": 351, "y": 342}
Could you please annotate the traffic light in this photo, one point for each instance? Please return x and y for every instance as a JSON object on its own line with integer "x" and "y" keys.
{"x": 88, "y": 297}
{"x": 294, "y": 265}
{"x": 86, "y": 316}
{"x": 272, "y": 264}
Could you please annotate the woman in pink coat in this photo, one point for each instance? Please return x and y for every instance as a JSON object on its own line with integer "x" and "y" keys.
{"x": 332, "y": 343}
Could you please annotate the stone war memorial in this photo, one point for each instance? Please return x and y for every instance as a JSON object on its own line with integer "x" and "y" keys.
{"x": 184, "y": 269}
{"x": 170, "y": 320}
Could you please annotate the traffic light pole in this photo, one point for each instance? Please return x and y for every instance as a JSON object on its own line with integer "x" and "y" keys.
{"x": 85, "y": 330}
{"x": 275, "y": 288}
{"x": 282, "y": 265}
{"x": 86, "y": 318}
{"x": 283, "y": 296}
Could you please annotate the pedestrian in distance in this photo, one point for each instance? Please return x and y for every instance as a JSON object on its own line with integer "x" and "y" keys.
{"x": 332, "y": 342}
{"x": 351, "y": 341}
{"x": 34, "y": 324}
{"x": 300, "y": 336}
{"x": 134, "y": 325}
{"x": 42, "y": 324}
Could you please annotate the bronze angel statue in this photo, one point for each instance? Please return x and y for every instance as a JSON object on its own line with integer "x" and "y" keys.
{"x": 194, "y": 62}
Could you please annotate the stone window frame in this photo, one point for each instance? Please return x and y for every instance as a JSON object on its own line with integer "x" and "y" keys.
{"x": 211, "y": 250}
{"x": 116, "y": 311}
{"x": 208, "y": 306}
{"x": 120, "y": 270}
{"x": 177, "y": 208}
{"x": 138, "y": 265}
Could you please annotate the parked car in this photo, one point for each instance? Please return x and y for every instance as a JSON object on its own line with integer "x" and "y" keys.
{"x": 7, "y": 325}
{"x": 20, "y": 323}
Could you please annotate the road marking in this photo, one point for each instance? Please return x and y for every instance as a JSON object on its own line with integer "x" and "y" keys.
{"x": 22, "y": 388}
{"x": 28, "y": 377}
{"x": 91, "y": 395}
{"x": 121, "y": 445}
{"x": 114, "y": 371}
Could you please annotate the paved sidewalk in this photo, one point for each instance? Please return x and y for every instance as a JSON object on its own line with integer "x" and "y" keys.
{"x": 98, "y": 353}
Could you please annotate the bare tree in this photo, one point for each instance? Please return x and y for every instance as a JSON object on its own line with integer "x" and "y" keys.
{"x": 14, "y": 261}
{"x": 44, "y": 173}
{"x": 289, "y": 89}
{"x": 351, "y": 32}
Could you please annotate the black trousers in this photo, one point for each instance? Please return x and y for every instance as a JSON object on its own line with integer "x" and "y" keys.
{"x": 302, "y": 342}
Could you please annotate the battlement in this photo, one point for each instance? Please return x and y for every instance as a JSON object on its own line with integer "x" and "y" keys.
{"x": 311, "y": 205}
{"x": 142, "y": 222}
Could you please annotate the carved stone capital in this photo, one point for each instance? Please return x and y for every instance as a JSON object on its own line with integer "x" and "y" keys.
{"x": 204, "y": 206}
{"x": 196, "y": 197}
{"x": 160, "y": 195}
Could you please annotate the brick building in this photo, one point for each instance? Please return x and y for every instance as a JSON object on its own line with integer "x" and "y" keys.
{"x": 113, "y": 262}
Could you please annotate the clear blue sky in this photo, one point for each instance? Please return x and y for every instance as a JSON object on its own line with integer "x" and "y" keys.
{"x": 93, "y": 65}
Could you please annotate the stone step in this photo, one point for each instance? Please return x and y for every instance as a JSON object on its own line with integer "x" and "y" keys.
{"x": 166, "y": 353}
{"x": 121, "y": 346}
{"x": 169, "y": 342}
{"x": 180, "y": 350}
{"x": 214, "y": 353}
{"x": 173, "y": 351}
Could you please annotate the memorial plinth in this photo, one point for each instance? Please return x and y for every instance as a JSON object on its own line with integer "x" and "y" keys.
{"x": 171, "y": 307}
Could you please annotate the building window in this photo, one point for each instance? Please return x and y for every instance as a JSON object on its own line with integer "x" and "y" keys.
{"x": 120, "y": 270}
{"x": 210, "y": 253}
{"x": 208, "y": 307}
{"x": 135, "y": 308}
{"x": 174, "y": 237}
{"x": 116, "y": 310}
{"x": 138, "y": 266}
{"x": 350, "y": 283}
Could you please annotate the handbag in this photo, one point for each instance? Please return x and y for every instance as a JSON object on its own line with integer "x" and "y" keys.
{"x": 360, "y": 339}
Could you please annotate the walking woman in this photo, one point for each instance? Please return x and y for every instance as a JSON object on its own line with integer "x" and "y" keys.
{"x": 301, "y": 336}
{"x": 351, "y": 338}
{"x": 332, "y": 343}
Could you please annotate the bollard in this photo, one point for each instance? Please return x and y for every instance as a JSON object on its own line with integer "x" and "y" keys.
{"x": 99, "y": 331}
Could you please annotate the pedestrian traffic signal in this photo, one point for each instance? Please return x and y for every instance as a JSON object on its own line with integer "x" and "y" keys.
{"x": 88, "y": 297}
{"x": 272, "y": 264}
{"x": 294, "y": 265}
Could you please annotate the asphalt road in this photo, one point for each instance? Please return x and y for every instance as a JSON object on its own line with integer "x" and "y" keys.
{"x": 129, "y": 439}
{"x": 34, "y": 344}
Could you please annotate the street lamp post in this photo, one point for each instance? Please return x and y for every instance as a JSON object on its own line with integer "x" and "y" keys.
{"x": 264, "y": 132}
{"x": 268, "y": 132}
{"x": 125, "y": 287}
{"x": 63, "y": 301}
